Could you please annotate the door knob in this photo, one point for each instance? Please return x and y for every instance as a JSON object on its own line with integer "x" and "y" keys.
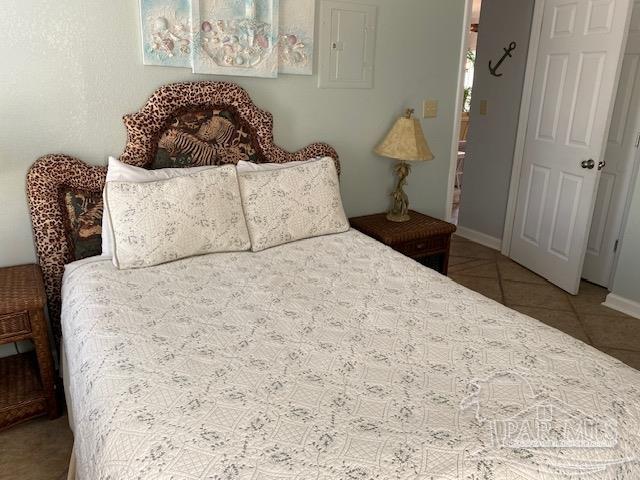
{"x": 588, "y": 164}
{"x": 601, "y": 165}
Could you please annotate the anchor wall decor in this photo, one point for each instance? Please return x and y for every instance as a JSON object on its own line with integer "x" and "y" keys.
{"x": 507, "y": 53}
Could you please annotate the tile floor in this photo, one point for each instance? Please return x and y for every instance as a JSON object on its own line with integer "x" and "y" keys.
{"x": 36, "y": 450}
{"x": 40, "y": 449}
{"x": 582, "y": 316}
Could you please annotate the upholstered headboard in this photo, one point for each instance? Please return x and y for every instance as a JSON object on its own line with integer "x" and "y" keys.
{"x": 182, "y": 125}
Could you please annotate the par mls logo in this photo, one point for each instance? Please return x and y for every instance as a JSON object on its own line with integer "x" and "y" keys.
{"x": 513, "y": 415}
{"x": 550, "y": 425}
{"x": 518, "y": 416}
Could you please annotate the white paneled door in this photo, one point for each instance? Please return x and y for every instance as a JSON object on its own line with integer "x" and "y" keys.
{"x": 622, "y": 150}
{"x": 575, "y": 80}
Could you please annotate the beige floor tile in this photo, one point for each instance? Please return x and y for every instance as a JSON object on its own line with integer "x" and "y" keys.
{"x": 476, "y": 268}
{"x": 474, "y": 250}
{"x": 589, "y": 301}
{"x": 485, "y": 286}
{"x": 36, "y": 450}
{"x": 592, "y": 293}
{"x": 613, "y": 332}
{"x": 485, "y": 270}
{"x": 533, "y": 295}
{"x": 457, "y": 260}
{"x": 510, "y": 270}
{"x": 566, "y": 322}
{"x": 585, "y": 308}
{"x": 630, "y": 358}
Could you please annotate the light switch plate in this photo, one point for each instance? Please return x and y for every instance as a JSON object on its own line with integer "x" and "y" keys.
{"x": 483, "y": 107}
{"x": 430, "y": 109}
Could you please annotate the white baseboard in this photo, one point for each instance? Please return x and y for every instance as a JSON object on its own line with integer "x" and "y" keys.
{"x": 479, "y": 237}
{"x": 624, "y": 305}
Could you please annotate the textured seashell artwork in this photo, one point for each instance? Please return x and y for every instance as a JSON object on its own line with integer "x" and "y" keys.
{"x": 258, "y": 38}
{"x": 166, "y": 32}
{"x": 236, "y": 37}
{"x": 297, "y": 22}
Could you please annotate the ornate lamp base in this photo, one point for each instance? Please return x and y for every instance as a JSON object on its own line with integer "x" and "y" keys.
{"x": 398, "y": 218}
{"x": 400, "y": 210}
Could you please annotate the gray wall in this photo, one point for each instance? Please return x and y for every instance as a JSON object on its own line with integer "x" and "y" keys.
{"x": 626, "y": 282}
{"x": 71, "y": 69}
{"x": 491, "y": 140}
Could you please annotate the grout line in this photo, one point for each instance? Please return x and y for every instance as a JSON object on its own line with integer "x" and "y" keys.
{"x": 577, "y": 314}
{"x": 546, "y": 284}
{"x": 500, "y": 283}
{"x": 470, "y": 260}
{"x": 537, "y": 307}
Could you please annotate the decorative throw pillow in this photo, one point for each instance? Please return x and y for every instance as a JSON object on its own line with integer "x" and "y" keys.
{"x": 162, "y": 221}
{"x": 293, "y": 203}
{"x": 121, "y": 172}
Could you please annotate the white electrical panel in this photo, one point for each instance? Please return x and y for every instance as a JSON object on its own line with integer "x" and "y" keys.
{"x": 347, "y": 44}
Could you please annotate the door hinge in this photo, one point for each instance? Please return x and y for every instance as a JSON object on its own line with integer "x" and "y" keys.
{"x": 615, "y": 246}
{"x": 638, "y": 140}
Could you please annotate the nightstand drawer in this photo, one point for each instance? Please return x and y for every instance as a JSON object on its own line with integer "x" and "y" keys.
{"x": 425, "y": 246}
{"x": 14, "y": 324}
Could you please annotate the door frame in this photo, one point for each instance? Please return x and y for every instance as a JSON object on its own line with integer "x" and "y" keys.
{"x": 635, "y": 178}
{"x": 457, "y": 115}
{"x": 523, "y": 121}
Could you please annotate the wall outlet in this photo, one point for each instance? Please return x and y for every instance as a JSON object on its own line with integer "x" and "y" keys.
{"x": 430, "y": 109}
{"x": 483, "y": 107}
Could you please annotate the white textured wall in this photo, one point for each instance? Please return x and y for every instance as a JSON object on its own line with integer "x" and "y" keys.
{"x": 71, "y": 69}
{"x": 492, "y": 137}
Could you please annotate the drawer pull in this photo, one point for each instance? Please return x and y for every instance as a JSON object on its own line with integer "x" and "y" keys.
{"x": 421, "y": 246}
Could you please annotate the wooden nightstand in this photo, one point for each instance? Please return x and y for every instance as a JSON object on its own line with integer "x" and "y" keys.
{"x": 26, "y": 380}
{"x": 423, "y": 238}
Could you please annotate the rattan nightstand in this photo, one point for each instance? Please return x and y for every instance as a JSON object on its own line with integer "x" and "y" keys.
{"x": 423, "y": 238}
{"x": 27, "y": 386}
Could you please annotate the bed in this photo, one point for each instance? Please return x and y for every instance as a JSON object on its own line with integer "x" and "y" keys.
{"x": 333, "y": 357}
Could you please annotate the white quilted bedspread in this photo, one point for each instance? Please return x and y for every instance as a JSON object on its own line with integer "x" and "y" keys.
{"x": 331, "y": 358}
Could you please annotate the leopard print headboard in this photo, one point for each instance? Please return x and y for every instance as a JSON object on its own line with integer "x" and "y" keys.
{"x": 181, "y": 125}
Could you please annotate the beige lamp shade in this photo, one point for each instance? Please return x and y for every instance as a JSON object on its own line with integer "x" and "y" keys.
{"x": 406, "y": 141}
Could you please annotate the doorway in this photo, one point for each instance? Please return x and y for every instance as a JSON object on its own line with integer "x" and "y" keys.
{"x": 621, "y": 157}
{"x": 596, "y": 246}
{"x": 469, "y": 73}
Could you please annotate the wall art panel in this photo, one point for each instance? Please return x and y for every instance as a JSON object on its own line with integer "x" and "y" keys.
{"x": 235, "y": 37}
{"x": 166, "y": 32}
{"x": 297, "y": 21}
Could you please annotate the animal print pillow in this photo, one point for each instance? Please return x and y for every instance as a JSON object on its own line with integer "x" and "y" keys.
{"x": 163, "y": 221}
{"x": 292, "y": 203}
{"x": 204, "y": 137}
{"x": 83, "y": 212}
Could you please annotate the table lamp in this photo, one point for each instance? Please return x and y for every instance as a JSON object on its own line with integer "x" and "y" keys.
{"x": 405, "y": 142}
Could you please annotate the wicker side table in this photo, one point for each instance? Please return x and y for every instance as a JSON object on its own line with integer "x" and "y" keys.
{"x": 27, "y": 386}
{"x": 423, "y": 238}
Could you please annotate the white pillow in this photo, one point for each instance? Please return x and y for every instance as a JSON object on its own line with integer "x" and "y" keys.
{"x": 292, "y": 203}
{"x": 244, "y": 166}
{"x": 161, "y": 221}
{"x": 121, "y": 172}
